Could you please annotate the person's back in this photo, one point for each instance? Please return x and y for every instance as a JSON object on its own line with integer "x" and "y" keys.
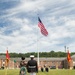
{"x": 23, "y": 66}
{"x": 46, "y": 69}
{"x": 22, "y": 63}
{"x": 42, "y": 69}
{"x": 32, "y": 66}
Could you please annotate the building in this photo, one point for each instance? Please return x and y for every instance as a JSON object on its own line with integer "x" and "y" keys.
{"x": 58, "y": 63}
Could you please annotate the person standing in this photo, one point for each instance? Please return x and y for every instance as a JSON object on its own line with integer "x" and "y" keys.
{"x": 46, "y": 69}
{"x": 42, "y": 69}
{"x": 22, "y": 66}
{"x": 32, "y": 66}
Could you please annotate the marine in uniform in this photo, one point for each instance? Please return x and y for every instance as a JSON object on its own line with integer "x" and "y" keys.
{"x": 32, "y": 66}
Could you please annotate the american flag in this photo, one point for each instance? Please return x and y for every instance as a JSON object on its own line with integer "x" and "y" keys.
{"x": 42, "y": 27}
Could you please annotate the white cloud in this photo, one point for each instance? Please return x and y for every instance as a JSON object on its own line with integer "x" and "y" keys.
{"x": 71, "y": 23}
{"x": 55, "y": 14}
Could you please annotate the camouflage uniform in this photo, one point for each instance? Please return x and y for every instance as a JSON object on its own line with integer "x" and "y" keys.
{"x": 23, "y": 67}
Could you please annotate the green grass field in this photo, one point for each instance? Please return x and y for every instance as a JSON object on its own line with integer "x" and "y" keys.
{"x": 51, "y": 72}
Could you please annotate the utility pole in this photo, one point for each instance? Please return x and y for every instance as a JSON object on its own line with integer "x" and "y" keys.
{"x": 65, "y": 48}
{"x": 66, "y": 57}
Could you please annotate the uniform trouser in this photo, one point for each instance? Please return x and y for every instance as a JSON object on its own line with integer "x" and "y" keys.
{"x": 33, "y": 73}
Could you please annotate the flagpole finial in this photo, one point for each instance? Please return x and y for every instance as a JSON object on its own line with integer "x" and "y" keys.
{"x": 67, "y": 48}
{"x": 38, "y": 14}
{"x": 7, "y": 48}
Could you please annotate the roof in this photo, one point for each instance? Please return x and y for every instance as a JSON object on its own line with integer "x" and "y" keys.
{"x": 41, "y": 59}
{"x": 2, "y": 56}
{"x": 73, "y": 56}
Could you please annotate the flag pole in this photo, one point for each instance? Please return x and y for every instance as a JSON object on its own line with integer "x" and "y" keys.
{"x": 37, "y": 46}
{"x": 38, "y": 55}
{"x": 68, "y": 57}
{"x": 6, "y": 72}
{"x": 65, "y": 48}
{"x": 43, "y": 31}
{"x": 6, "y": 65}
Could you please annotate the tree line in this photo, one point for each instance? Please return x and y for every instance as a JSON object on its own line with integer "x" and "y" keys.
{"x": 41, "y": 54}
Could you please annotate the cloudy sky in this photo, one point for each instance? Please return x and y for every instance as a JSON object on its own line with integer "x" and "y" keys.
{"x": 19, "y": 29}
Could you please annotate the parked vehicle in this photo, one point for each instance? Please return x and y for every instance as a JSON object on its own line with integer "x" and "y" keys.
{"x": 52, "y": 67}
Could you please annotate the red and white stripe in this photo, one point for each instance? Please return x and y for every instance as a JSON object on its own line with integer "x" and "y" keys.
{"x": 42, "y": 28}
